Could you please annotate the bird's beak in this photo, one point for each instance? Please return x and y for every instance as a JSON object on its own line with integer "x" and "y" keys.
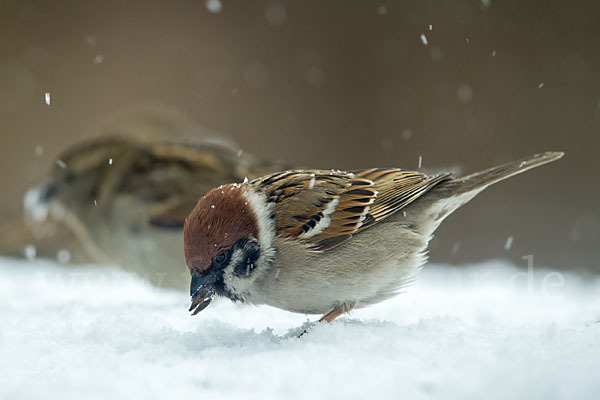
{"x": 36, "y": 202}
{"x": 202, "y": 293}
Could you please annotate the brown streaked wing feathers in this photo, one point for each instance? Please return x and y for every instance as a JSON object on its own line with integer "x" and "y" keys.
{"x": 302, "y": 198}
{"x": 171, "y": 213}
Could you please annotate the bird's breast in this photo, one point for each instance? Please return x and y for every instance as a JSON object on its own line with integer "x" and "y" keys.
{"x": 366, "y": 269}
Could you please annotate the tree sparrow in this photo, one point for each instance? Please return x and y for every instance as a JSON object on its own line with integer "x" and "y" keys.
{"x": 126, "y": 199}
{"x": 323, "y": 242}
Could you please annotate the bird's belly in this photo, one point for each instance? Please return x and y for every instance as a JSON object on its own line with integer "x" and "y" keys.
{"x": 367, "y": 269}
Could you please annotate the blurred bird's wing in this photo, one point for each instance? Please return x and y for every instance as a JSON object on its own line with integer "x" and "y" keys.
{"x": 171, "y": 214}
{"x": 171, "y": 176}
{"x": 325, "y": 208}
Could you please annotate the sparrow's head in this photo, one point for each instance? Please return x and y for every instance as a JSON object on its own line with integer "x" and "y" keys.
{"x": 227, "y": 243}
{"x": 76, "y": 181}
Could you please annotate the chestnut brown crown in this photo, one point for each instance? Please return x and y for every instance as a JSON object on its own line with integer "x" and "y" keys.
{"x": 219, "y": 219}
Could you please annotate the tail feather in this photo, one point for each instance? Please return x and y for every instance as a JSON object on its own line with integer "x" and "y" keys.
{"x": 480, "y": 180}
{"x": 451, "y": 194}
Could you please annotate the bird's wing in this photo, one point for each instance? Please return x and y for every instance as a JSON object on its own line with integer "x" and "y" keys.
{"x": 170, "y": 176}
{"x": 172, "y": 212}
{"x": 325, "y": 208}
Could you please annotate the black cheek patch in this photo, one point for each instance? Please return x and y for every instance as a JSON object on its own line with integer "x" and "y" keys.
{"x": 220, "y": 288}
{"x": 250, "y": 254}
{"x": 243, "y": 268}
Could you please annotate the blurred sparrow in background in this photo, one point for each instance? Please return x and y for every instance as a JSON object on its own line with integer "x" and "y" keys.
{"x": 323, "y": 242}
{"x": 126, "y": 199}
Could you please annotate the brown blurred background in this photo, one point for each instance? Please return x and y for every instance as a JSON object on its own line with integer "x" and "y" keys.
{"x": 333, "y": 84}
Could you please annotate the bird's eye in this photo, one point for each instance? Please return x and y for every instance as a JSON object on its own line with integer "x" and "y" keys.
{"x": 222, "y": 258}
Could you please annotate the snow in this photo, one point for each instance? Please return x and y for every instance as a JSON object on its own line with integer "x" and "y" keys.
{"x": 90, "y": 40}
{"x": 33, "y": 206}
{"x": 424, "y": 39}
{"x": 480, "y": 331}
{"x": 214, "y": 6}
{"x": 509, "y": 242}
{"x": 455, "y": 248}
{"x": 30, "y": 252}
{"x": 464, "y": 93}
{"x": 275, "y": 14}
{"x": 63, "y": 256}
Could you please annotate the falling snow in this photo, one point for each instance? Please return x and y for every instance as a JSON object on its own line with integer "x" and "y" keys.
{"x": 30, "y": 252}
{"x": 424, "y": 39}
{"x": 509, "y": 243}
{"x": 63, "y": 256}
{"x": 455, "y": 248}
{"x": 214, "y": 6}
{"x": 464, "y": 93}
{"x": 275, "y": 13}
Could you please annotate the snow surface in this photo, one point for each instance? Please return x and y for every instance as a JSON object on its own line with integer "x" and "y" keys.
{"x": 481, "y": 331}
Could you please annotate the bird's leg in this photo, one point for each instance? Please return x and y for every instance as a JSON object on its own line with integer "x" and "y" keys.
{"x": 336, "y": 312}
{"x": 331, "y": 315}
